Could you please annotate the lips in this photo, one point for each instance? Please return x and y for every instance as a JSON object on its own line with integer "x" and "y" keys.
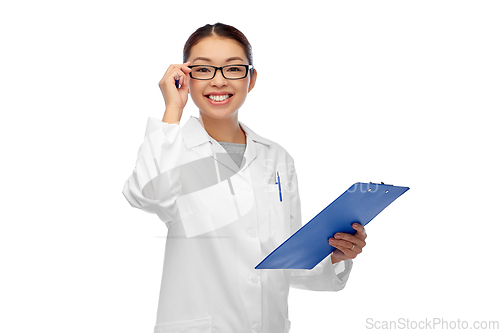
{"x": 219, "y": 97}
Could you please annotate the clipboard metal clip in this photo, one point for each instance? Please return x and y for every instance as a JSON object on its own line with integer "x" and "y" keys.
{"x": 382, "y": 183}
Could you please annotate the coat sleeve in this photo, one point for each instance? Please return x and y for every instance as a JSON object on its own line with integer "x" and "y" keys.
{"x": 154, "y": 184}
{"x": 325, "y": 276}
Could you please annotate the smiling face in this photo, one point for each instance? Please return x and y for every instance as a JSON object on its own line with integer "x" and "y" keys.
{"x": 219, "y": 97}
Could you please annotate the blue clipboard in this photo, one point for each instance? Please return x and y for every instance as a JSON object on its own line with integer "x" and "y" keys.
{"x": 309, "y": 245}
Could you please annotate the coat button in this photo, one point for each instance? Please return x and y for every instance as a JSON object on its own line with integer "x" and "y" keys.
{"x": 252, "y": 233}
{"x": 254, "y": 279}
{"x": 257, "y": 327}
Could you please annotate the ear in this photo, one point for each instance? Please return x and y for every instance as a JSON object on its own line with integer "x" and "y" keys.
{"x": 253, "y": 78}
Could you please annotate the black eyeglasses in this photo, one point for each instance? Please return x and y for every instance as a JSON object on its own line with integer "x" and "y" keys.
{"x": 230, "y": 72}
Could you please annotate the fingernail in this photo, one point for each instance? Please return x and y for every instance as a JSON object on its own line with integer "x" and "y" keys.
{"x": 355, "y": 226}
{"x": 337, "y": 236}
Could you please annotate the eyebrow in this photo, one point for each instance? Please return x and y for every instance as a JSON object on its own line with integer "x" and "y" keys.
{"x": 227, "y": 60}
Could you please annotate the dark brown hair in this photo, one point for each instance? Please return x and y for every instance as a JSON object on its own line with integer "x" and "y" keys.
{"x": 221, "y": 30}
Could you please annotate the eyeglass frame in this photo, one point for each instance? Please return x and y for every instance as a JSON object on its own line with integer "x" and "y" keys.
{"x": 248, "y": 68}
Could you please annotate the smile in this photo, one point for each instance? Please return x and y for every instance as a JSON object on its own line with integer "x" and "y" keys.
{"x": 219, "y": 99}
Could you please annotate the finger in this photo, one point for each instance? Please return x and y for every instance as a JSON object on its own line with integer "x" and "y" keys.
{"x": 345, "y": 245}
{"x": 169, "y": 75}
{"x": 351, "y": 249}
{"x": 186, "y": 70}
{"x": 350, "y": 254}
{"x": 360, "y": 230}
{"x": 182, "y": 77}
{"x": 172, "y": 69}
{"x": 185, "y": 80}
{"x": 350, "y": 238}
{"x": 339, "y": 251}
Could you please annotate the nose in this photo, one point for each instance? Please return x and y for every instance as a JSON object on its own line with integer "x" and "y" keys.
{"x": 218, "y": 79}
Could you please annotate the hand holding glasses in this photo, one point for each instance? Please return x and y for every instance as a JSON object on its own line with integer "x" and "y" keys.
{"x": 229, "y": 72}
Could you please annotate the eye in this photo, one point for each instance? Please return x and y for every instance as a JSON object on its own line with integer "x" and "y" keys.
{"x": 202, "y": 69}
{"x": 235, "y": 69}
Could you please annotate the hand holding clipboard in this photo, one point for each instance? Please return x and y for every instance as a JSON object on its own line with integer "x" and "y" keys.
{"x": 309, "y": 245}
{"x": 348, "y": 246}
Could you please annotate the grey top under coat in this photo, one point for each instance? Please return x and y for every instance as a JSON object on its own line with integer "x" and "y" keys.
{"x": 235, "y": 150}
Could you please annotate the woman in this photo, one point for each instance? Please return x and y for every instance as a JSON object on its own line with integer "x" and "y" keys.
{"x": 213, "y": 182}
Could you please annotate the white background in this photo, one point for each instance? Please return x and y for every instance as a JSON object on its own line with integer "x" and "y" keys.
{"x": 404, "y": 92}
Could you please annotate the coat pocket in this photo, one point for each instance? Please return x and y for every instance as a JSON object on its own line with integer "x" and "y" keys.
{"x": 200, "y": 325}
{"x": 279, "y": 220}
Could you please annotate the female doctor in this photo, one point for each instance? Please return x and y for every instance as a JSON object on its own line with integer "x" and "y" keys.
{"x": 213, "y": 182}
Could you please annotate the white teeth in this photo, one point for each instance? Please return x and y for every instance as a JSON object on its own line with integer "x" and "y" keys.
{"x": 218, "y": 98}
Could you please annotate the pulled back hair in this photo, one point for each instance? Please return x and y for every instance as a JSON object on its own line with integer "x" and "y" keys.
{"x": 220, "y": 30}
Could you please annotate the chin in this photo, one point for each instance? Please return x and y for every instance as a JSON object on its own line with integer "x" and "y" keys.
{"x": 218, "y": 112}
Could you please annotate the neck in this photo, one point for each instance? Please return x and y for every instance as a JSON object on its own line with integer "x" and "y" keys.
{"x": 224, "y": 130}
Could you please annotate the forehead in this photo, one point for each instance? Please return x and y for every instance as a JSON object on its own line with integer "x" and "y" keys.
{"x": 217, "y": 49}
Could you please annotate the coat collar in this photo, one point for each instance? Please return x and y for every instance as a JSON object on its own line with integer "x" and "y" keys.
{"x": 194, "y": 134}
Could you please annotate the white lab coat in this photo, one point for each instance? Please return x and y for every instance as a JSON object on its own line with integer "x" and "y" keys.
{"x": 222, "y": 221}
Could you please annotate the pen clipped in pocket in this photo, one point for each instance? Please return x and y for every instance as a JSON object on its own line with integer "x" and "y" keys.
{"x": 278, "y": 221}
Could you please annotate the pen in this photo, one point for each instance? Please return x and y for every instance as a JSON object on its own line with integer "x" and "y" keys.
{"x": 177, "y": 81}
{"x": 279, "y": 183}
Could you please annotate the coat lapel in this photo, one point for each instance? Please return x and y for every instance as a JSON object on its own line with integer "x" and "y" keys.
{"x": 194, "y": 134}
